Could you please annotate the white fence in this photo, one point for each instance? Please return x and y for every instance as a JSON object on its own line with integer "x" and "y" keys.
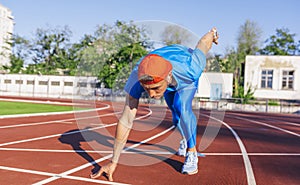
{"x": 263, "y": 106}
{"x": 46, "y": 86}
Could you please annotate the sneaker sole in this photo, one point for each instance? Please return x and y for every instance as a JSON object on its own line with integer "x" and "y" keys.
{"x": 190, "y": 173}
{"x": 180, "y": 154}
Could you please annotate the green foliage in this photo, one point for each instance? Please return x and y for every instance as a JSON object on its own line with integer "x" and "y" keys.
{"x": 119, "y": 47}
{"x": 20, "y": 51}
{"x": 273, "y": 103}
{"x": 16, "y": 64}
{"x": 245, "y": 97}
{"x": 217, "y": 64}
{"x": 118, "y": 67}
{"x": 248, "y": 39}
{"x": 248, "y": 44}
{"x": 49, "y": 49}
{"x": 51, "y": 52}
{"x": 174, "y": 34}
{"x": 282, "y": 43}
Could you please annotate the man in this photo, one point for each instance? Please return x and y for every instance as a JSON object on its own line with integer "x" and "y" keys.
{"x": 173, "y": 72}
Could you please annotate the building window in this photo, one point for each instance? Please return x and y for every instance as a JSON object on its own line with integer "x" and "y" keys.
{"x": 43, "y": 82}
{"x": 19, "y": 81}
{"x": 266, "y": 78}
{"x": 55, "y": 83}
{"x": 287, "y": 79}
{"x": 93, "y": 85}
{"x": 30, "y": 82}
{"x": 68, "y": 83}
{"x": 6, "y": 81}
{"x": 82, "y": 84}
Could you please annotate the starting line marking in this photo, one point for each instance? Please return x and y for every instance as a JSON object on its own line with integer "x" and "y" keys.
{"x": 141, "y": 151}
{"x": 58, "y": 175}
{"x": 56, "y": 135}
{"x": 66, "y": 173}
{"x": 248, "y": 167}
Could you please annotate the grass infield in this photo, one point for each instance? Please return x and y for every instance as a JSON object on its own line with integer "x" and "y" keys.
{"x": 9, "y": 108}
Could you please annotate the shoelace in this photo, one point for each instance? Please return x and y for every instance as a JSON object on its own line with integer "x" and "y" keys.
{"x": 189, "y": 159}
{"x": 182, "y": 144}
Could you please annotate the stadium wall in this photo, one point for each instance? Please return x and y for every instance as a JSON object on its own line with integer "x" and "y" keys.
{"x": 46, "y": 86}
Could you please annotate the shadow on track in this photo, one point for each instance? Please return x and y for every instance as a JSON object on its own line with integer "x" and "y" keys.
{"x": 76, "y": 136}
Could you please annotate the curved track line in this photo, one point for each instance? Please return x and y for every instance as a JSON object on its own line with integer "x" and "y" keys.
{"x": 141, "y": 151}
{"x": 54, "y": 121}
{"x": 53, "y": 174}
{"x": 40, "y": 101}
{"x": 268, "y": 125}
{"x": 55, "y": 135}
{"x": 249, "y": 171}
{"x": 101, "y": 159}
{"x": 268, "y": 119}
{"x": 106, "y": 157}
{"x": 52, "y": 113}
{"x": 84, "y": 130}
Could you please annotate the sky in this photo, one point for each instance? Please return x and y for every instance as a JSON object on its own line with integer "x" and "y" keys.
{"x": 197, "y": 16}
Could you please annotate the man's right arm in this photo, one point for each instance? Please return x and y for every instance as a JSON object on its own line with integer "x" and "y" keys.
{"x": 122, "y": 131}
{"x": 124, "y": 126}
{"x": 205, "y": 43}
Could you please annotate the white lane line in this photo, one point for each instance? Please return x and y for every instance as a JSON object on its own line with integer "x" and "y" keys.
{"x": 65, "y": 174}
{"x": 290, "y": 123}
{"x": 52, "y": 113}
{"x": 54, "y": 174}
{"x": 253, "y": 154}
{"x": 277, "y": 120}
{"x": 55, "y": 121}
{"x": 268, "y": 125}
{"x": 103, "y": 158}
{"x": 141, "y": 151}
{"x": 137, "y": 151}
{"x": 67, "y": 122}
{"x": 249, "y": 171}
{"x": 55, "y": 135}
{"x": 40, "y": 101}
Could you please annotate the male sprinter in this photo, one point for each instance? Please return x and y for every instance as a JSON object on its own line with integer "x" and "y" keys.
{"x": 173, "y": 72}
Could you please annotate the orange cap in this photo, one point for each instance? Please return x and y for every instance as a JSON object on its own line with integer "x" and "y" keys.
{"x": 155, "y": 67}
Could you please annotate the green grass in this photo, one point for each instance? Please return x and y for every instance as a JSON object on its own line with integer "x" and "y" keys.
{"x": 8, "y": 108}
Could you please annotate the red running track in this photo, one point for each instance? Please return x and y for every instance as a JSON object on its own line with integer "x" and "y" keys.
{"x": 239, "y": 148}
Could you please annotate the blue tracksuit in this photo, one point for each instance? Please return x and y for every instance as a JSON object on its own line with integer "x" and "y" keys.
{"x": 188, "y": 65}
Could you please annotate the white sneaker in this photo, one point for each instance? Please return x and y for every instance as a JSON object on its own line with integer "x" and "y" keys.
{"x": 190, "y": 166}
{"x": 182, "y": 148}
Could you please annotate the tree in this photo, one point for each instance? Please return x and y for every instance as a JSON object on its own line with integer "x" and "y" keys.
{"x": 50, "y": 49}
{"x": 249, "y": 39}
{"x": 282, "y": 43}
{"x": 248, "y": 44}
{"x": 20, "y": 52}
{"x": 174, "y": 34}
{"x": 120, "y": 64}
{"x": 214, "y": 63}
{"x": 116, "y": 49}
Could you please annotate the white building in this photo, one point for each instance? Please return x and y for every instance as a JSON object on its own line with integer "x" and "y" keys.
{"x": 215, "y": 86}
{"x": 47, "y": 86}
{"x": 273, "y": 77}
{"x": 6, "y": 31}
